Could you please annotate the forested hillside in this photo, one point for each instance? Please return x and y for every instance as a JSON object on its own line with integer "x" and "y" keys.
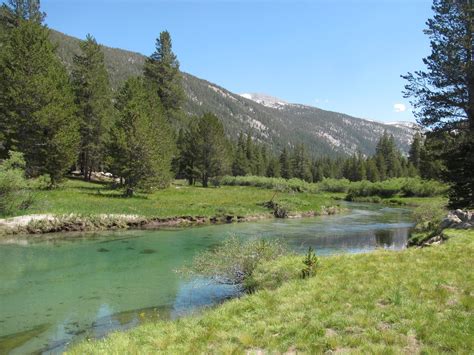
{"x": 322, "y": 132}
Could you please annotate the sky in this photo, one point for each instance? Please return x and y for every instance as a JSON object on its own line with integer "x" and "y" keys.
{"x": 340, "y": 55}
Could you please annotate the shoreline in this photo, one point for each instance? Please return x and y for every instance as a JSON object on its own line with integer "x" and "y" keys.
{"x": 39, "y": 224}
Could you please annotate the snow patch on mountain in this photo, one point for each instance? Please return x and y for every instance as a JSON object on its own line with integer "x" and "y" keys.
{"x": 403, "y": 124}
{"x": 265, "y": 100}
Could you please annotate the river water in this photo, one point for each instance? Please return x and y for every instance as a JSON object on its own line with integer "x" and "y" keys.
{"x": 56, "y": 291}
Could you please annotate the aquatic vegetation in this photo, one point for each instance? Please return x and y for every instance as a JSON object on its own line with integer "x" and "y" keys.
{"x": 13, "y": 341}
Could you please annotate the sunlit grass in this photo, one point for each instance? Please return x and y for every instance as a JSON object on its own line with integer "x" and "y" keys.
{"x": 417, "y": 300}
{"x": 76, "y": 196}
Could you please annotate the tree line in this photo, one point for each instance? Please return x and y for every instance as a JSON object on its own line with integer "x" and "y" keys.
{"x": 62, "y": 121}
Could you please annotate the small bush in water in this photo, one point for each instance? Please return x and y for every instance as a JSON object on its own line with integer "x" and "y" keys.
{"x": 234, "y": 260}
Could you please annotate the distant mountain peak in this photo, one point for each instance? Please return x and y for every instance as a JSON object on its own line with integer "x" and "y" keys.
{"x": 265, "y": 100}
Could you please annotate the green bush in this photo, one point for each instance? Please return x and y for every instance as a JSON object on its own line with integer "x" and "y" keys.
{"x": 14, "y": 192}
{"x": 408, "y": 187}
{"x": 234, "y": 261}
{"x": 334, "y": 185}
{"x": 423, "y": 188}
{"x": 278, "y": 184}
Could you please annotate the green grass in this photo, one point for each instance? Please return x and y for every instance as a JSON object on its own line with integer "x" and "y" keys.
{"x": 417, "y": 300}
{"x": 85, "y": 198}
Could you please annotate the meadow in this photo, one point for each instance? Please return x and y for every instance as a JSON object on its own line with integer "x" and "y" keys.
{"x": 412, "y": 301}
{"x": 90, "y": 198}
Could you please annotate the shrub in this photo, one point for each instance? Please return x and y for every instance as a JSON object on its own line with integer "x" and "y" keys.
{"x": 14, "y": 192}
{"x": 334, "y": 185}
{"x": 423, "y": 188}
{"x": 278, "y": 184}
{"x": 234, "y": 261}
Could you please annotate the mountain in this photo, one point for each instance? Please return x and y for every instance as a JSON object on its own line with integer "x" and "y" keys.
{"x": 265, "y": 100}
{"x": 271, "y": 120}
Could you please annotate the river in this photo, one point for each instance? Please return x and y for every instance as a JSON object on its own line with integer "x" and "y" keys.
{"x": 55, "y": 291}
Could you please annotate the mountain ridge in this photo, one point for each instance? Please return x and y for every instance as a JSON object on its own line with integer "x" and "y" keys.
{"x": 271, "y": 121}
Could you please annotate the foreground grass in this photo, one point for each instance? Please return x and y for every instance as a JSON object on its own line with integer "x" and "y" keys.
{"x": 418, "y": 300}
{"x": 85, "y": 198}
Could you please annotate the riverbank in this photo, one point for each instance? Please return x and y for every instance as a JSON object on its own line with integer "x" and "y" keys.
{"x": 417, "y": 300}
{"x": 86, "y": 206}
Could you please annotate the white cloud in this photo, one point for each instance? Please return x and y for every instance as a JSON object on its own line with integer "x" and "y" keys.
{"x": 399, "y": 107}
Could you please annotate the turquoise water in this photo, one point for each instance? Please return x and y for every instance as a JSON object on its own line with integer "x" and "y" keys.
{"x": 57, "y": 291}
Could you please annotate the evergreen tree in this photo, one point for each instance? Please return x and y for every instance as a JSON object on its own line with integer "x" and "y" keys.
{"x": 300, "y": 161}
{"x": 443, "y": 94}
{"x": 141, "y": 145}
{"x": 93, "y": 97}
{"x": 372, "y": 171}
{"x": 15, "y": 11}
{"x": 285, "y": 164}
{"x": 189, "y": 153}
{"x": 415, "y": 150}
{"x": 273, "y": 168}
{"x": 240, "y": 164}
{"x": 317, "y": 171}
{"x": 162, "y": 73}
{"x": 211, "y": 148}
{"x": 37, "y": 109}
{"x": 178, "y": 163}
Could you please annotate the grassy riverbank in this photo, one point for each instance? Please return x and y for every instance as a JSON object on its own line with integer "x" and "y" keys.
{"x": 383, "y": 302}
{"x": 86, "y": 201}
{"x": 79, "y": 197}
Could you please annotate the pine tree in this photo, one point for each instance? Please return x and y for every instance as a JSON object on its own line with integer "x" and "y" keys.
{"x": 300, "y": 161}
{"x": 285, "y": 164}
{"x": 141, "y": 146}
{"x": 37, "y": 109}
{"x": 372, "y": 171}
{"x": 189, "y": 153}
{"x": 273, "y": 168}
{"x": 178, "y": 163}
{"x": 443, "y": 94}
{"x": 15, "y": 11}
{"x": 415, "y": 150}
{"x": 93, "y": 97}
{"x": 240, "y": 164}
{"x": 211, "y": 148}
{"x": 162, "y": 73}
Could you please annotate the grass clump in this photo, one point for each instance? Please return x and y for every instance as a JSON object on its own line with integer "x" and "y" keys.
{"x": 413, "y": 301}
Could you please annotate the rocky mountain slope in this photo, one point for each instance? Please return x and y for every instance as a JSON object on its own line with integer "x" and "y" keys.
{"x": 271, "y": 120}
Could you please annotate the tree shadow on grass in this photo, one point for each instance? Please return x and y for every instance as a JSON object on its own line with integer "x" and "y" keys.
{"x": 117, "y": 196}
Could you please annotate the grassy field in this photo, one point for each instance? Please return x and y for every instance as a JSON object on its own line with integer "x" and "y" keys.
{"x": 79, "y": 197}
{"x": 417, "y": 300}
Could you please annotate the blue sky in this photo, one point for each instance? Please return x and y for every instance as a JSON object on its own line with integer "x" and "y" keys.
{"x": 344, "y": 55}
